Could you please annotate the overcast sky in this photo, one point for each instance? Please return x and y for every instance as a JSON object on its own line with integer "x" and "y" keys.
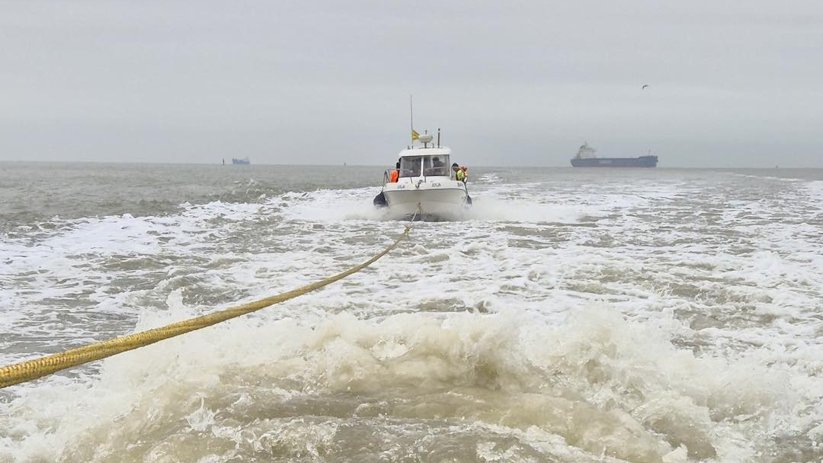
{"x": 517, "y": 82}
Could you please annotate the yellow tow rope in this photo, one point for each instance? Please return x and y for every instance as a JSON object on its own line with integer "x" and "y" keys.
{"x": 37, "y": 368}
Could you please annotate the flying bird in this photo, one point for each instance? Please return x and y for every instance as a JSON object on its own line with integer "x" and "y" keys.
{"x": 644, "y": 86}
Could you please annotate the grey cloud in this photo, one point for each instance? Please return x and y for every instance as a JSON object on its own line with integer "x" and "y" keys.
{"x": 314, "y": 82}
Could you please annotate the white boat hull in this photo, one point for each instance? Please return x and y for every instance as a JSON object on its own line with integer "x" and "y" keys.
{"x": 431, "y": 198}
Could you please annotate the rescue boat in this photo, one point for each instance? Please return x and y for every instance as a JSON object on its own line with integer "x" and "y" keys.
{"x": 426, "y": 187}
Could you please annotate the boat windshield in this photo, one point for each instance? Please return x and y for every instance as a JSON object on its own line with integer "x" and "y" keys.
{"x": 410, "y": 166}
{"x": 436, "y": 165}
{"x": 431, "y": 166}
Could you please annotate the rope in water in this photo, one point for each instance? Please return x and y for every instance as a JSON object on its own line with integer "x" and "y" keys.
{"x": 37, "y": 368}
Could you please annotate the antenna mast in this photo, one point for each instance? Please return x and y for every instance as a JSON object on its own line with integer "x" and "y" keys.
{"x": 411, "y": 119}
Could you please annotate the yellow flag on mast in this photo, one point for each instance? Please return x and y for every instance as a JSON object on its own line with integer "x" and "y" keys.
{"x": 415, "y": 135}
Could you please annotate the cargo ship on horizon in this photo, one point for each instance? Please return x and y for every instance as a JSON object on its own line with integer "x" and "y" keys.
{"x": 586, "y": 158}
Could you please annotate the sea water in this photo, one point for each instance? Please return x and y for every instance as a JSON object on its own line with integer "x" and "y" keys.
{"x": 643, "y": 315}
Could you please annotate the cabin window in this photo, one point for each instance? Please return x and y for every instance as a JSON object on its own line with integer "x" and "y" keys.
{"x": 410, "y": 166}
{"x": 436, "y": 165}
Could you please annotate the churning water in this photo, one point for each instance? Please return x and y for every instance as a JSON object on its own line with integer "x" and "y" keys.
{"x": 574, "y": 316}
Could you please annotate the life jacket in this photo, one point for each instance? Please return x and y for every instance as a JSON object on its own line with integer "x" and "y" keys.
{"x": 395, "y": 174}
{"x": 460, "y": 175}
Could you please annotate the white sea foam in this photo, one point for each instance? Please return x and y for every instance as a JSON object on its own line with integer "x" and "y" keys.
{"x": 594, "y": 368}
{"x": 334, "y": 206}
{"x": 674, "y": 320}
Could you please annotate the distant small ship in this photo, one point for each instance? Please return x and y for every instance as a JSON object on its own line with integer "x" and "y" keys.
{"x": 585, "y": 158}
{"x": 244, "y": 161}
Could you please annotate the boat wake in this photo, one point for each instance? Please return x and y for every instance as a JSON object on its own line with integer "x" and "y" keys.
{"x": 457, "y": 384}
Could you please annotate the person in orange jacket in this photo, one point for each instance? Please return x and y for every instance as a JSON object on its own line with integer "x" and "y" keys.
{"x": 395, "y": 174}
